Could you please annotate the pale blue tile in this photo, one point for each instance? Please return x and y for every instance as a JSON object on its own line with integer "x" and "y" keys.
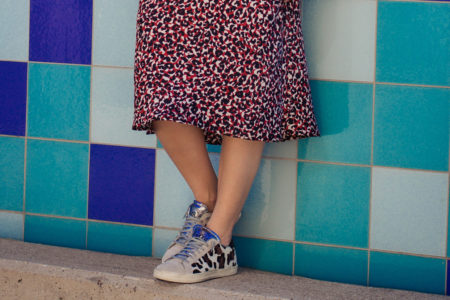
{"x": 11, "y": 173}
{"x": 287, "y": 149}
{"x": 112, "y": 109}
{"x": 414, "y": 273}
{"x": 161, "y": 240}
{"x": 14, "y": 32}
{"x": 339, "y": 38}
{"x": 331, "y": 263}
{"x": 114, "y": 32}
{"x": 11, "y": 225}
{"x": 333, "y": 204}
{"x": 58, "y": 101}
{"x": 119, "y": 238}
{"x": 413, "y": 42}
{"x": 411, "y": 127}
{"x": 409, "y": 211}
{"x": 344, "y": 114}
{"x": 269, "y": 210}
{"x": 57, "y": 178}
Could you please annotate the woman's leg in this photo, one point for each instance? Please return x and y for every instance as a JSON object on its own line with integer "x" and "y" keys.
{"x": 239, "y": 163}
{"x": 186, "y": 147}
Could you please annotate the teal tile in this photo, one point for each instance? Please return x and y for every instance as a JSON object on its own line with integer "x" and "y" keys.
{"x": 11, "y": 225}
{"x": 11, "y": 173}
{"x": 267, "y": 255}
{"x": 411, "y": 37}
{"x": 344, "y": 114}
{"x": 58, "y": 101}
{"x": 411, "y": 128}
{"x": 55, "y": 231}
{"x": 333, "y": 204}
{"x": 114, "y": 32}
{"x": 213, "y": 148}
{"x": 15, "y": 16}
{"x": 120, "y": 239}
{"x": 57, "y": 175}
{"x": 331, "y": 263}
{"x": 399, "y": 271}
{"x": 161, "y": 240}
{"x": 409, "y": 211}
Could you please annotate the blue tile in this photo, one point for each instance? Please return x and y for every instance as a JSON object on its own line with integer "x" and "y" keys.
{"x": 398, "y": 271}
{"x": 13, "y": 86}
{"x": 344, "y": 114}
{"x": 411, "y": 127}
{"x": 411, "y": 37}
{"x": 11, "y": 173}
{"x": 267, "y": 255}
{"x": 11, "y": 225}
{"x": 161, "y": 240}
{"x": 333, "y": 204}
{"x": 14, "y": 33}
{"x": 57, "y": 178}
{"x": 121, "y": 184}
{"x": 61, "y": 31}
{"x": 120, "y": 239}
{"x": 331, "y": 263}
{"x": 64, "y": 232}
{"x": 448, "y": 279}
{"x": 58, "y": 101}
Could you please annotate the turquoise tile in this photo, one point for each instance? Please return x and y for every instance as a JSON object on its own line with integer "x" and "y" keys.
{"x": 411, "y": 37}
{"x": 58, "y": 101}
{"x": 269, "y": 210}
{"x": 14, "y": 33}
{"x": 267, "y": 255}
{"x": 339, "y": 38}
{"x": 409, "y": 211}
{"x": 399, "y": 271}
{"x": 331, "y": 263}
{"x": 213, "y": 148}
{"x": 161, "y": 240}
{"x": 11, "y": 173}
{"x": 120, "y": 239}
{"x": 344, "y": 114}
{"x": 333, "y": 204}
{"x": 55, "y": 231}
{"x": 411, "y": 127}
{"x": 111, "y": 112}
{"x": 11, "y": 225}
{"x": 57, "y": 178}
{"x": 114, "y": 32}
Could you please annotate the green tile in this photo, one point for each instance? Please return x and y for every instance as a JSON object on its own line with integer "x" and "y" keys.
{"x": 11, "y": 173}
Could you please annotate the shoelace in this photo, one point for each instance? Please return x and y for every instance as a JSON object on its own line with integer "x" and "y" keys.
{"x": 188, "y": 224}
{"x": 191, "y": 247}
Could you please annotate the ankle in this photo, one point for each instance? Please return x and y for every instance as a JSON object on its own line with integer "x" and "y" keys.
{"x": 209, "y": 202}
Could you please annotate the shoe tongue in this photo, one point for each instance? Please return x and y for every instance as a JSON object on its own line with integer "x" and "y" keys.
{"x": 204, "y": 233}
{"x": 197, "y": 209}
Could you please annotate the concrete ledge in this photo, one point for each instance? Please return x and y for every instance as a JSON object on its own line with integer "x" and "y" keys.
{"x": 36, "y": 271}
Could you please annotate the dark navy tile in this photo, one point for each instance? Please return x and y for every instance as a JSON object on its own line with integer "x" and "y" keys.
{"x": 13, "y": 95}
{"x": 121, "y": 184}
{"x": 61, "y": 31}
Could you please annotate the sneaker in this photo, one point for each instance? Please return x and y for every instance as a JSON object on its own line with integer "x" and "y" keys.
{"x": 203, "y": 257}
{"x": 197, "y": 213}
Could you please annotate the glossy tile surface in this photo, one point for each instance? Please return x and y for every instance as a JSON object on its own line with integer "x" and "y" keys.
{"x": 344, "y": 115}
{"x": 112, "y": 109}
{"x": 333, "y": 204}
{"x": 339, "y": 38}
{"x": 58, "y": 101}
{"x": 11, "y": 173}
{"x": 119, "y": 238}
{"x": 329, "y": 263}
{"x": 411, "y": 127}
{"x": 411, "y": 37}
{"x": 57, "y": 177}
{"x": 14, "y": 32}
{"x": 121, "y": 184}
{"x": 409, "y": 211}
{"x": 61, "y": 31}
{"x": 114, "y": 32}
{"x": 11, "y": 225}
{"x": 13, "y": 87}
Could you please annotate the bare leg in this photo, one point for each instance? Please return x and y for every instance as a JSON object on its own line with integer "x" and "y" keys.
{"x": 239, "y": 163}
{"x": 186, "y": 147}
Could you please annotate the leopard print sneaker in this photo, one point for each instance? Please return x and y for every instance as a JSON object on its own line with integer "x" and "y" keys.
{"x": 203, "y": 258}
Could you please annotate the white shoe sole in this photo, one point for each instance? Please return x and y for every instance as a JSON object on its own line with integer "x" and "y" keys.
{"x": 196, "y": 277}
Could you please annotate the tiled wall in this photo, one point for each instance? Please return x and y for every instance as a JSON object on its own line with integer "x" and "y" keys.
{"x": 366, "y": 203}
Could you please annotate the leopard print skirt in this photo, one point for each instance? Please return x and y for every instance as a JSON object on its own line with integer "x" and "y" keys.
{"x": 229, "y": 67}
